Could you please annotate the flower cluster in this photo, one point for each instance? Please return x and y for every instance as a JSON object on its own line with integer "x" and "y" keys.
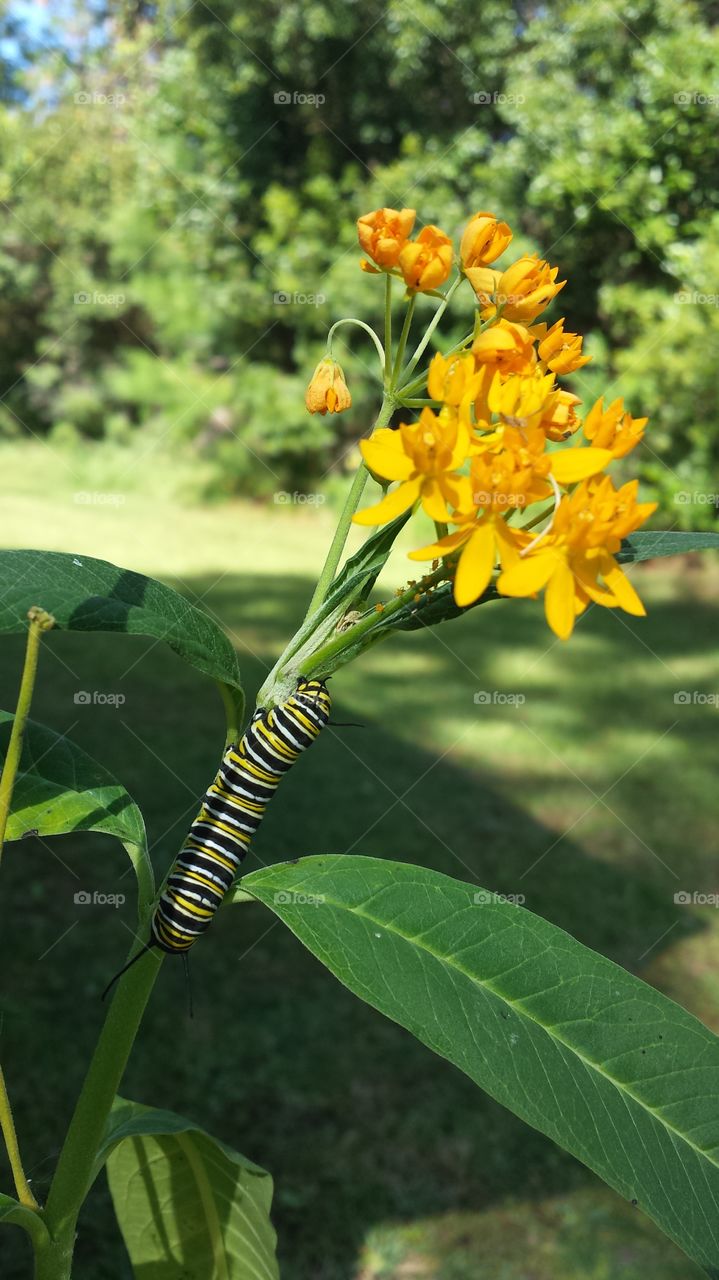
{"x": 500, "y": 453}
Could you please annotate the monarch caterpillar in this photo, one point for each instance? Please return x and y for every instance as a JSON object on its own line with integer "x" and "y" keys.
{"x": 231, "y": 811}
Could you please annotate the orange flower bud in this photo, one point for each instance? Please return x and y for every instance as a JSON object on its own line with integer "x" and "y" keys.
{"x": 506, "y": 347}
{"x": 383, "y": 234}
{"x": 327, "y": 391}
{"x": 483, "y": 240}
{"x": 560, "y": 351}
{"x": 522, "y": 291}
{"x": 427, "y": 261}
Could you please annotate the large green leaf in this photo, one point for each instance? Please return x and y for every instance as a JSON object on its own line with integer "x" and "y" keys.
{"x": 84, "y": 594}
{"x": 187, "y": 1205}
{"x": 59, "y": 788}
{"x": 610, "y": 1069}
{"x": 439, "y": 606}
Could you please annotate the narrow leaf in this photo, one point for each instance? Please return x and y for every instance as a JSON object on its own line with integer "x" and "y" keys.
{"x": 186, "y": 1204}
{"x": 85, "y": 594}
{"x": 12, "y": 1213}
{"x": 609, "y": 1068}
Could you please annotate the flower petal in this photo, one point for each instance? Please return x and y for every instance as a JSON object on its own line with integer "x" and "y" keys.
{"x": 530, "y": 575}
{"x": 624, "y": 592}
{"x": 475, "y": 565}
{"x": 571, "y": 465}
{"x": 385, "y": 456}
{"x": 393, "y": 504}
{"x": 436, "y": 550}
{"x": 559, "y": 601}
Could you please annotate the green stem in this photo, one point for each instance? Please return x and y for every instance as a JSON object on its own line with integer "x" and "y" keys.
{"x": 374, "y": 619}
{"x": 40, "y": 621}
{"x": 360, "y": 325}
{"x": 404, "y": 335}
{"x": 387, "y": 331}
{"x": 422, "y": 344}
{"x": 352, "y": 502}
{"x": 76, "y": 1165}
{"x": 7, "y": 1125}
{"x": 233, "y": 701}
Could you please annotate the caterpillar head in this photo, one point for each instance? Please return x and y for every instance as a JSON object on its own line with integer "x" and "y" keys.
{"x": 315, "y": 694}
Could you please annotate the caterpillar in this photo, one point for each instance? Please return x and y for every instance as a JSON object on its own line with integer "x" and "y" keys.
{"x": 231, "y": 811}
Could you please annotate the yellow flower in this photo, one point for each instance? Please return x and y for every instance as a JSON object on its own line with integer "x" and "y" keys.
{"x": 575, "y": 561}
{"x": 384, "y": 233}
{"x": 426, "y": 262}
{"x": 500, "y": 484}
{"x": 612, "y": 428}
{"x": 422, "y": 456}
{"x": 522, "y": 291}
{"x": 560, "y": 351}
{"x": 483, "y": 240}
{"x": 559, "y": 420}
{"x": 454, "y": 381}
{"x": 327, "y": 391}
{"x": 507, "y": 347}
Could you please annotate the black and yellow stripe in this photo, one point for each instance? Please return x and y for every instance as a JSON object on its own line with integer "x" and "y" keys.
{"x": 231, "y": 812}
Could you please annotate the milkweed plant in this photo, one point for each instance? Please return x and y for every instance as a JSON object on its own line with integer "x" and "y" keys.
{"x": 513, "y": 495}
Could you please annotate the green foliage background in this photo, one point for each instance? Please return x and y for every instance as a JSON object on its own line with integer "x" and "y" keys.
{"x": 177, "y": 236}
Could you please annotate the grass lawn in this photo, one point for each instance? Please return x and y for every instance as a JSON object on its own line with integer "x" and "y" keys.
{"x": 592, "y": 793}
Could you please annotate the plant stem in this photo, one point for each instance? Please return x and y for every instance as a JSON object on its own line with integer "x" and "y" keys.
{"x": 343, "y": 525}
{"x": 7, "y": 1125}
{"x": 404, "y": 335}
{"x": 360, "y": 325}
{"x": 387, "y": 331}
{"x": 40, "y": 621}
{"x": 76, "y": 1165}
{"x": 421, "y": 346}
{"x": 233, "y": 701}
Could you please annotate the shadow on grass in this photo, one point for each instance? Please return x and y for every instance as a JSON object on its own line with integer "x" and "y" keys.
{"x": 358, "y": 1123}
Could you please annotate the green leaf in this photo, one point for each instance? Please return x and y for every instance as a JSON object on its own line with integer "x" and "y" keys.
{"x": 84, "y": 594}
{"x": 59, "y": 788}
{"x": 610, "y": 1069}
{"x": 187, "y": 1205}
{"x": 12, "y": 1213}
{"x": 653, "y": 543}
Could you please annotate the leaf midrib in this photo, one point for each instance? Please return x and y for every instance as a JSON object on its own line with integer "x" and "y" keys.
{"x": 453, "y": 964}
